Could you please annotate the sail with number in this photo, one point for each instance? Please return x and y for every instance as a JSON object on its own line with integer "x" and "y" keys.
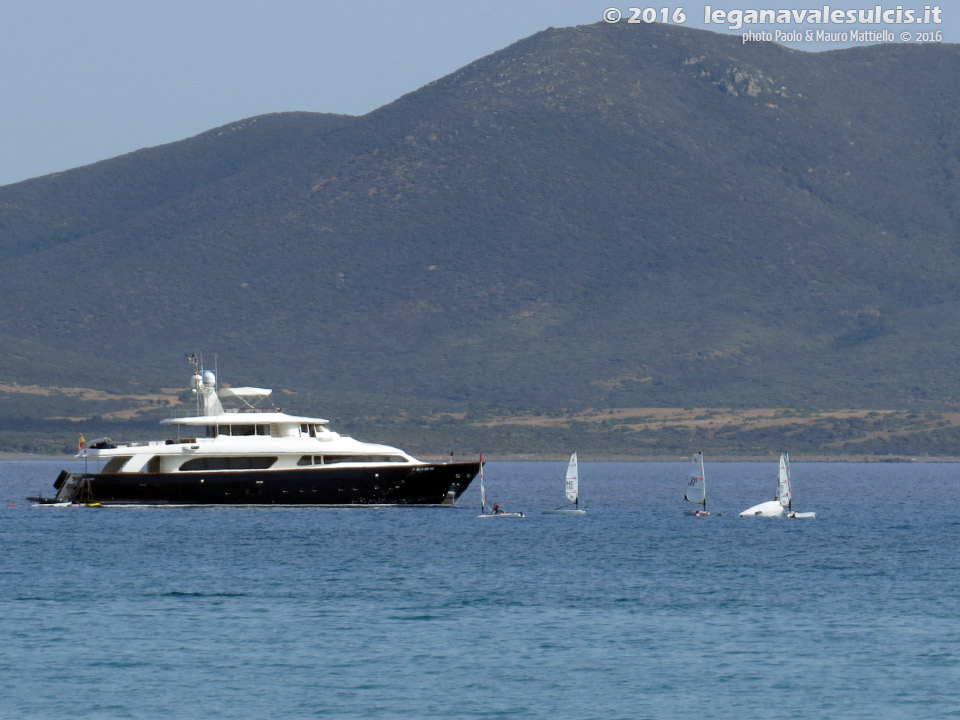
{"x": 783, "y": 487}
{"x": 697, "y": 485}
{"x": 572, "y": 486}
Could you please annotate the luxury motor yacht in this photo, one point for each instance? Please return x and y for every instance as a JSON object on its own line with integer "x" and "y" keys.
{"x": 250, "y": 455}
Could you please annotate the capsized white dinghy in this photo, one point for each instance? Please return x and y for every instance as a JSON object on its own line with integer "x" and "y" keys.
{"x": 496, "y": 512}
{"x": 571, "y": 489}
{"x": 771, "y": 508}
{"x": 784, "y": 500}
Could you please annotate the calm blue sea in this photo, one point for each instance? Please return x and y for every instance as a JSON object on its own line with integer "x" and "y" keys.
{"x": 632, "y": 611}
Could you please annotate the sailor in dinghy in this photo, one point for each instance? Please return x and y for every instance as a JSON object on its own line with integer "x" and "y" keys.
{"x": 497, "y": 511}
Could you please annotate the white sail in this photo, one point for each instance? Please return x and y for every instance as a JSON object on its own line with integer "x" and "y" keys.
{"x": 572, "y": 487}
{"x": 697, "y": 482}
{"x": 783, "y": 488}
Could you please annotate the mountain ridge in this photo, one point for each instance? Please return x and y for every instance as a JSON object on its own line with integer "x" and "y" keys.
{"x": 600, "y": 216}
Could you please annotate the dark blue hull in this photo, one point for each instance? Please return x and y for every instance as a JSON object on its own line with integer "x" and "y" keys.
{"x": 431, "y": 484}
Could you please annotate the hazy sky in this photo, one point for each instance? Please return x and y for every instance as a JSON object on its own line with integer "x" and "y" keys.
{"x": 86, "y": 80}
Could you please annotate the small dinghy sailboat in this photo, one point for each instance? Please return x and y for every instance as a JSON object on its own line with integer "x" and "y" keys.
{"x": 572, "y": 490}
{"x": 696, "y": 488}
{"x": 497, "y": 512}
{"x": 784, "y": 499}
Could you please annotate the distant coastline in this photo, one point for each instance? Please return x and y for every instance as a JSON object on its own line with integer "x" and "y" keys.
{"x": 721, "y": 457}
{"x": 12, "y": 456}
{"x": 604, "y": 457}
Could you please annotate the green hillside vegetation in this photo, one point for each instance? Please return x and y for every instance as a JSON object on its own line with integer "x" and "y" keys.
{"x": 608, "y": 216}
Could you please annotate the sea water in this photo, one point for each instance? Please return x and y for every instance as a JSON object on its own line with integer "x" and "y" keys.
{"x": 631, "y": 611}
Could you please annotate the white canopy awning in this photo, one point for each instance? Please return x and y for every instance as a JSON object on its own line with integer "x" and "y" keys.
{"x": 244, "y": 392}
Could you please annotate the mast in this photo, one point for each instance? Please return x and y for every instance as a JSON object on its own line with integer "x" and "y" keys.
{"x": 483, "y": 492}
{"x": 204, "y": 384}
{"x": 195, "y": 380}
{"x": 703, "y": 476}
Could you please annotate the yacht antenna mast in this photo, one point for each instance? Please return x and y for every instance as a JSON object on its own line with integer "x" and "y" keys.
{"x": 196, "y": 381}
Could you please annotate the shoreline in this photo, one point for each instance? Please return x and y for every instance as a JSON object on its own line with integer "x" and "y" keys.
{"x": 14, "y": 456}
{"x": 722, "y": 457}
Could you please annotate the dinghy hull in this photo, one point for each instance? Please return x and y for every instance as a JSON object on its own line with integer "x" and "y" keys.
{"x": 773, "y": 508}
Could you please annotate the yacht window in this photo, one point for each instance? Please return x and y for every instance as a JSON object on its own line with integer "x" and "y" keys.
{"x": 228, "y": 463}
{"x": 331, "y": 459}
{"x": 244, "y": 430}
{"x": 305, "y": 460}
{"x": 115, "y": 463}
